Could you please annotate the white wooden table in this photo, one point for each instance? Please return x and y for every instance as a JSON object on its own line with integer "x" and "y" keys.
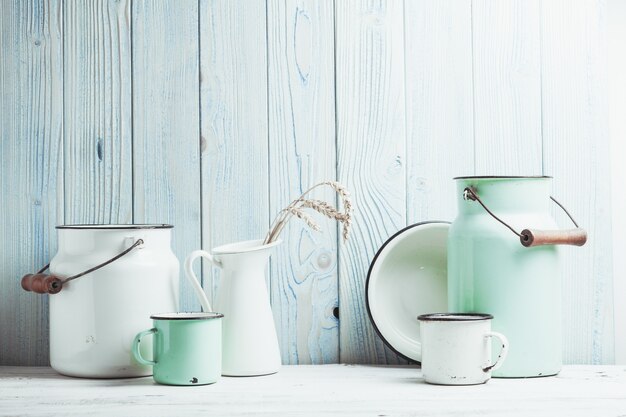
{"x": 317, "y": 390}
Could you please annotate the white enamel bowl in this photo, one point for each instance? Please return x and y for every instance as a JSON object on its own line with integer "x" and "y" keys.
{"x": 407, "y": 278}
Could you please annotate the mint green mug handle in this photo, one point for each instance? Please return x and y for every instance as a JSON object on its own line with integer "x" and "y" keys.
{"x": 135, "y": 349}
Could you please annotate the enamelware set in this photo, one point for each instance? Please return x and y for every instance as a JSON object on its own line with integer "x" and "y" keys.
{"x": 433, "y": 291}
{"x": 499, "y": 257}
{"x": 110, "y": 281}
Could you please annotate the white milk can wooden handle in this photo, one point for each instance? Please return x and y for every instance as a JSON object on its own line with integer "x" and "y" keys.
{"x": 41, "y": 283}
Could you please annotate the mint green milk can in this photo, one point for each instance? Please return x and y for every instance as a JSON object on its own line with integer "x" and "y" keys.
{"x": 503, "y": 260}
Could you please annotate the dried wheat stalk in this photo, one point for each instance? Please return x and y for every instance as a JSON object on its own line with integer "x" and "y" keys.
{"x": 322, "y": 207}
{"x": 304, "y": 216}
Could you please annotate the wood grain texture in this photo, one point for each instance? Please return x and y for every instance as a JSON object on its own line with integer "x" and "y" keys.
{"x": 214, "y": 114}
{"x": 31, "y": 186}
{"x": 507, "y": 87}
{"x": 439, "y": 105}
{"x": 578, "y": 391}
{"x": 616, "y": 86}
{"x": 166, "y": 146}
{"x": 575, "y": 152}
{"x": 97, "y": 112}
{"x": 301, "y": 116}
{"x": 371, "y": 149}
{"x": 234, "y": 125}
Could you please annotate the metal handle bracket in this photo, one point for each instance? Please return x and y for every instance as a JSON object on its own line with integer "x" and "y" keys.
{"x": 52, "y": 284}
{"x": 529, "y": 237}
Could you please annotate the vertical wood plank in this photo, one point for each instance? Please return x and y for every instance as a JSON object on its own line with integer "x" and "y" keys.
{"x": 31, "y": 186}
{"x": 166, "y": 123}
{"x": 507, "y": 87}
{"x": 371, "y": 150}
{"x": 302, "y": 153}
{"x": 576, "y": 154}
{"x": 616, "y": 87}
{"x": 439, "y": 105}
{"x": 97, "y": 112}
{"x": 234, "y": 125}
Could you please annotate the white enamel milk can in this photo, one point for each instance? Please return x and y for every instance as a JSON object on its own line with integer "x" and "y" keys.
{"x": 503, "y": 260}
{"x": 106, "y": 282}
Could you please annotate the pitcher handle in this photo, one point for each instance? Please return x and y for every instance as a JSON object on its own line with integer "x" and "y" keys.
{"x": 191, "y": 276}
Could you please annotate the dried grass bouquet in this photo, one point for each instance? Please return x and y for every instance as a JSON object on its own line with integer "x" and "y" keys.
{"x": 297, "y": 206}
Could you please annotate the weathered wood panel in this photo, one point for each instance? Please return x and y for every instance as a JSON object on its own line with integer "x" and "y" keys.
{"x": 371, "y": 149}
{"x": 439, "y": 105}
{"x": 166, "y": 123}
{"x": 97, "y": 112}
{"x": 616, "y": 33}
{"x": 31, "y": 185}
{"x": 575, "y": 152}
{"x": 224, "y": 111}
{"x": 507, "y": 87}
{"x": 301, "y": 118}
{"x": 234, "y": 125}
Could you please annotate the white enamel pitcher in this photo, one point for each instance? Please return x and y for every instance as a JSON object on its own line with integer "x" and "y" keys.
{"x": 249, "y": 342}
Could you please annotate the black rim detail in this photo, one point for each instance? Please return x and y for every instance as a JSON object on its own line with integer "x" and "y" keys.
{"x": 495, "y": 177}
{"x": 173, "y": 316}
{"x": 114, "y": 226}
{"x": 455, "y": 317}
{"x": 367, "y": 285}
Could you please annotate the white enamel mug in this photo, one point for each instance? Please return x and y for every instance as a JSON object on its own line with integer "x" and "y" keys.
{"x": 456, "y": 348}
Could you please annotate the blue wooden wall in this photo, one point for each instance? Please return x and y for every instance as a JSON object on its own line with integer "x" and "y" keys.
{"x": 213, "y": 114}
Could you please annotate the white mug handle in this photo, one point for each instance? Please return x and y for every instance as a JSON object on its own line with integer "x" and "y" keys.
{"x": 204, "y": 301}
{"x": 503, "y": 351}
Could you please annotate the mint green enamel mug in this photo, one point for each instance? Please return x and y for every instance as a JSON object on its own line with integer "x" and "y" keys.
{"x": 503, "y": 258}
{"x": 187, "y": 348}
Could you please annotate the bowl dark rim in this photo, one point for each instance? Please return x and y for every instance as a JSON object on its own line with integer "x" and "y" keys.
{"x": 367, "y": 283}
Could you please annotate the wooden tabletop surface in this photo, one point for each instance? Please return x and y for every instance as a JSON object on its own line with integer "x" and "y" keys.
{"x": 317, "y": 390}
